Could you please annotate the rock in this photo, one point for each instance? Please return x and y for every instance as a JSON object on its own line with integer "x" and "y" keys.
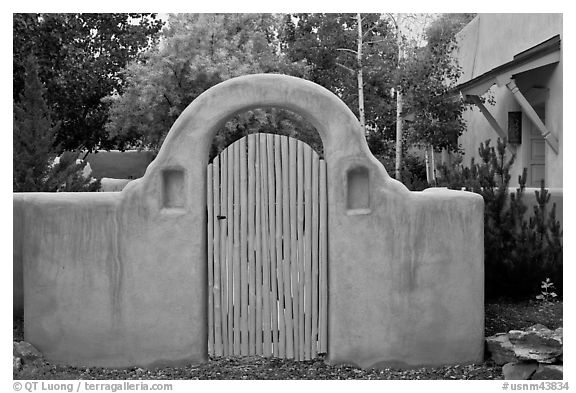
{"x": 559, "y": 332}
{"x": 519, "y": 370}
{"x": 536, "y": 343}
{"x": 535, "y": 327}
{"x": 537, "y": 335}
{"x": 16, "y": 364}
{"x": 541, "y": 354}
{"x": 548, "y": 372}
{"x": 25, "y": 351}
{"x": 500, "y": 349}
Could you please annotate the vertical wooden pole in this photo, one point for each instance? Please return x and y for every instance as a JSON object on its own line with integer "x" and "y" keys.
{"x": 224, "y": 248}
{"x": 230, "y": 250}
{"x": 236, "y": 246}
{"x": 217, "y": 247}
{"x": 258, "y": 247}
{"x": 279, "y": 246}
{"x": 315, "y": 228}
{"x": 266, "y": 326}
{"x": 243, "y": 247}
{"x": 293, "y": 149}
{"x": 286, "y": 169}
{"x": 323, "y": 234}
{"x": 307, "y": 250}
{"x": 251, "y": 245}
{"x": 272, "y": 242}
{"x": 210, "y": 238}
{"x": 300, "y": 212}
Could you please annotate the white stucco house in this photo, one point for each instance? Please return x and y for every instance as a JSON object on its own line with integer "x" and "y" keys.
{"x": 516, "y": 59}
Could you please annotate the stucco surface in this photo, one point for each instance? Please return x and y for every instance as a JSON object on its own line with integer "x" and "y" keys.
{"x": 119, "y": 279}
{"x": 491, "y": 40}
{"x": 494, "y": 39}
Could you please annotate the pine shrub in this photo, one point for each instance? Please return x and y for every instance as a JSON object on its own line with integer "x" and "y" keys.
{"x": 34, "y": 151}
{"x": 520, "y": 249}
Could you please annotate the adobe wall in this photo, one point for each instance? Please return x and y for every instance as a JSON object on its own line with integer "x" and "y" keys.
{"x": 129, "y": 164}
{"x": 119, "y": 279}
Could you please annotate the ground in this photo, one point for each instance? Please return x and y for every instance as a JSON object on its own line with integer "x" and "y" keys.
{"x": 500, "y": 317}
{"x": 506, "y": 316}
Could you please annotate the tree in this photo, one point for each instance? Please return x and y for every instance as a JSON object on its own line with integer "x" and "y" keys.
{"x": 427, "y": 77}
{"x": 399, "y": 108}
{"x": 405, "y": 26}
{"x": 197, "y": 51}
{"x": 80, "y": 57}
{"x": 273, "y": 121}
{"x": 425, "y": 72}
{"x": 33, "y": 137}
{"x": 350, "y": 59}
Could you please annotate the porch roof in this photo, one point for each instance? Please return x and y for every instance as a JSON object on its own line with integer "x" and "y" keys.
{"x": 547, "y": 52}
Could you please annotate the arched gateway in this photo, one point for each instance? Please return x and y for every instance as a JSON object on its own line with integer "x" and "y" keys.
{"x": 121, "y": 279}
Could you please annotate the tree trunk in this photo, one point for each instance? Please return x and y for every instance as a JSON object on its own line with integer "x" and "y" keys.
{"x": 399, "y": 122}
{"x": 427, "y": 162}
{"x": 359, "y": 75}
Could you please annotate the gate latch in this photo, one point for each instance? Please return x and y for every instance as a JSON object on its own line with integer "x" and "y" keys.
{"x": 221, "y": 217}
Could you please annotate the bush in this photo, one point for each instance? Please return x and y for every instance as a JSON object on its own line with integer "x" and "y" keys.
{"x": 412, "y": 172}
{"x": 34, "y": 152}
{"x": 519, "y": 252}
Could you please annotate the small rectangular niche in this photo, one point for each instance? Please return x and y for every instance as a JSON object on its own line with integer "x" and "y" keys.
{"x": 358, "y": 197}
{"x": 173, "y": 188}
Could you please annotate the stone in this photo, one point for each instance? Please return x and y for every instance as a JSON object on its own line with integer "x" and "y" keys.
{"x": 559, "y": 332}
{"x": 537, "y": 343}
{"x": 539, "y": 354}
{"x": 537, "y": 335}
{"x": 500, "y": 349}
{"x": 25, "y": 351}
{"x": 16, "y": 364}
{"x": 548, "y": 372}
{"x": 519, "y": 370}
{"x": 535, "y": 327}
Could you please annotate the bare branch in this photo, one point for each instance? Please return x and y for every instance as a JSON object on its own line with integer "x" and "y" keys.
{"x": 346, "y": 68}
{"x": 347, "y": 50}
{"x": 391, "y": 16}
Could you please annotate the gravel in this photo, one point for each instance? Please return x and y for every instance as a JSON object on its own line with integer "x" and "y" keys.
{"x": 500, "y": 317}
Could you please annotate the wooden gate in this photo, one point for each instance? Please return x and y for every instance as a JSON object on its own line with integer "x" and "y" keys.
{"x": 267, "y": 249}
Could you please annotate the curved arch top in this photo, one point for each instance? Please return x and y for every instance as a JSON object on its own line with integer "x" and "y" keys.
{"x": 336, "y": 124}
{"x": 193, "y": 131}
{"x": 188, "y": 142}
